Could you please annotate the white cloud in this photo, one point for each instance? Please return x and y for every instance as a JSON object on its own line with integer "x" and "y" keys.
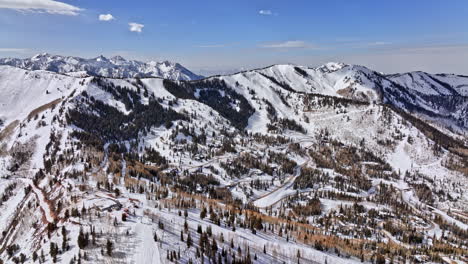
{"x": 212, "y": 46}
{"x": 223, "y": 45}
{"x": 291, "y": 44}
{"x": 135, "y": 27}
{"x": 106, "y": 17}
{"x": 265, "y": 12}
{"x": 379, "y": 43}
{"x": 13, "y": 50}
{"x": 41, "y": 6}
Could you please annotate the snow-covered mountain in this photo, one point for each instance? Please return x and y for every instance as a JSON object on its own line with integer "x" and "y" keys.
{"x": 285, "y": 164}
{"x": 440, "y": 98}
{"x": 115, "y": 67}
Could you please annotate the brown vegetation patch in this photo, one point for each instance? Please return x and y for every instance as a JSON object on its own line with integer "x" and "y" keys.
{"x": 346, "y": 92}
{"x": 8, "y": 130}
{"x": 5, "y": 134}
{"x": 42, "y": 108}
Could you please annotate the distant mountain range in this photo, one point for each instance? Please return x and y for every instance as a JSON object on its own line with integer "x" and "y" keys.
{"x": 114, "y": 67}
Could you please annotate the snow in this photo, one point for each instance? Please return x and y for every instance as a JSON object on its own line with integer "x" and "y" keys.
{"x": 156, "y": 87}
{"x": 7, "y": 210}
{"x": 450, "y": 219}
{"x": 276, "y": 195}
{"x": 43, "y": 204}
{"x": 22, "y": 91}
{"x": 148, "y": 249}
{"x": 283, "y": 191}
{"x": 459, "y": 83}
{"x": 400, "y": 160}
{"x": 421, "y": 82}
{"x": 278, "y": 249}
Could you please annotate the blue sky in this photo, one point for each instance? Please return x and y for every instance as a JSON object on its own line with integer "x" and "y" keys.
{"x": 221, "y": 36}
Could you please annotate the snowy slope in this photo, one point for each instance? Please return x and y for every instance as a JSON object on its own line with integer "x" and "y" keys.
{"x": 457, "y": 82}
{"x": 86, "y": 135}
{"x": 440, "y": 99}
{"x": 22, "y": 91}
{"x": 430, "y": 84}
{"x": 335, "y": 79}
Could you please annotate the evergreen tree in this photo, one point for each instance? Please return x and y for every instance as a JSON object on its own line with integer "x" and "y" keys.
{"x": 109, "y": 247}
{"x": 203, "y": 213}
{"x": 82, "y": 239}
{"x": 189, "y": 240}
{"x": 214, "y": 246}
{"x": 53, "y": 251}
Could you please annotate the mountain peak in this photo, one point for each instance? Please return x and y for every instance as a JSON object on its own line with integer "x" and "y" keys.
{"x": 101, "y": 58}
{"x": 333, "y": 66}
{"x": 168, "y": 63}
{"x": 117, "y": 58}
{"x": 40, "y": 55}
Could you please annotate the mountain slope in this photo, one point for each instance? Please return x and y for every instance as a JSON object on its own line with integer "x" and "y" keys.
{"x": 115, "y": 67}
{"x": 282, "y": 164}
{"x": 440, "y": 99}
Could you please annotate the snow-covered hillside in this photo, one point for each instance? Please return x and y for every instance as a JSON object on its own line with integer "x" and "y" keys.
{"x": 115, "y": 67}
{"x": 22, "y": 91}
{"x": 441, "y": 99}
{"x": 285, "y": 164}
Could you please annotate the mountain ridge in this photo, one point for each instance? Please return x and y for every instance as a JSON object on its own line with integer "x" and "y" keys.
{"x": 438, "y": 97}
